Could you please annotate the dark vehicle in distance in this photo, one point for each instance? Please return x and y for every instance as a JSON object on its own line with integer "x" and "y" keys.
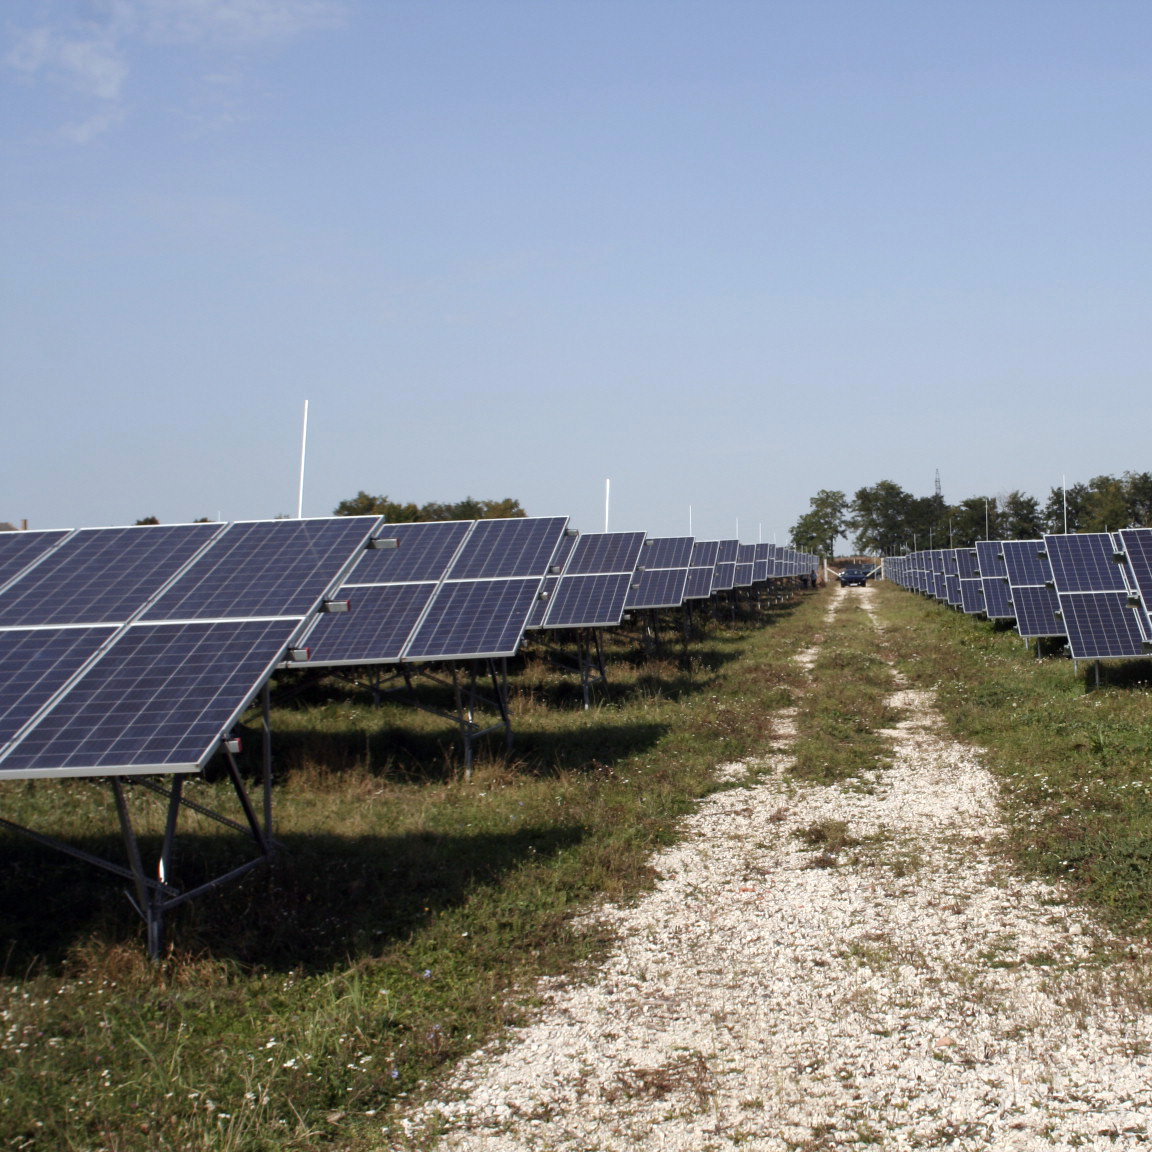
{"x": 854, "y": 575}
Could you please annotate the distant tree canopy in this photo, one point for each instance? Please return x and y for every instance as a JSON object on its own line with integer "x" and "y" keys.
{"x": 816, "y": 531}
{"x": 888, "y": 520}
{"x": 363, "y": 504}
{"x": 147, "y": 520}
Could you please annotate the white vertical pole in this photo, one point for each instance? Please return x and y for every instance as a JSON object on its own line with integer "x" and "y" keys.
{"x": 689, "y": 519}
{"x": 737, "y": 527}
{"x": 607, "y": 495}
{"x": 303, "y": 453}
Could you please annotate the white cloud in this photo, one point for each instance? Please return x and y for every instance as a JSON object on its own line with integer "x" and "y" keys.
{"x": 92, "y": 55}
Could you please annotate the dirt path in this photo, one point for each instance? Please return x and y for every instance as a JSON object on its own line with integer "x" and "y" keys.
{"x": 821, "y": 966}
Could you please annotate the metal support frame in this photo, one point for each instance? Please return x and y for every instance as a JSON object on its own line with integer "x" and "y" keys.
{"x": 588, "y": 663}
{"x": 154, "y": 893}
{"x": 466, "y": 696}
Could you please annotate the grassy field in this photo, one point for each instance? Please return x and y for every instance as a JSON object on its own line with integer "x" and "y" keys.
{"x": 412, "y": 906}
{"x": 297, "y": 1007}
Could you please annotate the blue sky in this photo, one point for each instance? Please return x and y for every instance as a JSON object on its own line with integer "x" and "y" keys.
{"x": 724, "y": 253}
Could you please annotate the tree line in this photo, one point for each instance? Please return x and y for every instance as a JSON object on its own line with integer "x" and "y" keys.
{"x": 363, "y": 504}
{"x": 886, "y": 520}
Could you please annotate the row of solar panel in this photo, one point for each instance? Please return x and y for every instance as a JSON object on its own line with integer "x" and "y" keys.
{"x": 1094, "y": 589}
{"x": 135, "y": 650}
{"x": 418, "y": 601}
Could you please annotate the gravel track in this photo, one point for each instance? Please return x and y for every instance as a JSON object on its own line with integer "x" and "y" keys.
{"x": 905, "y": 990}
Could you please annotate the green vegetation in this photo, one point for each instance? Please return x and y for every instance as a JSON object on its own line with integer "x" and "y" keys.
{"x": 1073, "y": 760}
{"x": 413, "y": 908}
{"x": 887, "y": 520}
{"x": 363, "y": 504}
{"x": 840, "y": 721}
{"x": 409, "y": 911}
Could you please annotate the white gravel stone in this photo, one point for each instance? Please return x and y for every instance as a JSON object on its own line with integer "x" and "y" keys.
{"x": 914, "y": 995}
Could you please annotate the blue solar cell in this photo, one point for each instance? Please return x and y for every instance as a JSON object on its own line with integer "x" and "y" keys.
{"x": 600, "y": 552}
{"x": 725, "y": 577}
{"x": 19, "y": 549}
{"x": 666, "y": 552}
{"x": 542, "y": 603}
{"x": 1137, "y": 544}
{"x": 698, "y": 586}
{"x": 1085, "y": 563}
{"x": 157, "y": 701}
{"x": 952, "y": 590}
{"x": 1036, "y": 609}
{"x": 595, "y": 601}
{"x": 1025, "y": 562}
{"x": 501, "y": 548}
{"x": 376, "y": 630}
{"x": 994, "y": 577}
{"x": 1101, "y": 625}
{"x": 102, "y": 575}
{"x": 35, "y": 663}
{"x": 265, "y": 568}
{"x": 423, "y": 552}
{"x": 658, "y": 588}
{"x": 727, "y": 551}
{"x": 972, "y": 596}
{"x": 470, "y": 619}
{"x": 742, "y": 575}
{"x": 704, "y": 553}
{"x": 966, "y": 566}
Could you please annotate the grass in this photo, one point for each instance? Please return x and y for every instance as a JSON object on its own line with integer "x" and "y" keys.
{"x": 409, "y": 911}
{"x": 839, "y": 727}
{"x": 1073, "y": 760}
{"x": 412, "y": 908}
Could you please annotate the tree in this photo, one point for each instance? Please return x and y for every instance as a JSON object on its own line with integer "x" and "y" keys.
{"x": 363, "y": 504}
{"x": 971, "y": 520}
{"x": 147, "y": 520}
{"x": 883, "y": 518}
{"x": 1020, "y": 517}
{"x": 1138, "y": 489}
{"x": 1074, "y": 500}
{"x": 1106, "y": 505}
{"x": 817, "y": 530}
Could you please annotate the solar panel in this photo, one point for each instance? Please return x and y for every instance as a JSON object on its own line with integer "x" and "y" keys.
{"x": 264, "y": 568}
{"x": 375, "y": 631}
{"x": 994, "y": 578}
{"x": 35, "y": 664}
{"x": 1037, "y": 611}
{"x": 522, "y": 546}
{"x": 1137, "y": 544}
{"x": 662, "y": 574}
{"x": 1085, "y": 563}
{"x": 102, "y": 575}
{"x": 422, "y": 552}
{"x": 1094, "y": 597}
{"x": 1101, "y": 625}
{"x": 745, "y": 566}
{"x": 157, "y": 701}
{"x": 473, "y": 619}
{"x": 599, "y": 552}
{"x": 659, "y": 588}
{"x": 726, "y": 554}
{"x": 19, "y": 549}
{"x": 666, "y": 552}
{"x": 595, "y": 582}
{"x": 971, "y": 596}
{"x": 595, "y": 601}
{"x": 702, "y": 572}
{"x": 1025, "y": 562}
{"x": 476, "y": 614}
{"x": 156, "y": 697}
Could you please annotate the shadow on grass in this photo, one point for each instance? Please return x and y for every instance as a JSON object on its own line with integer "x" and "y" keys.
{"x": 1118, "y": 674}
{"x": 323, "y": 900}
{"x": 404, "y": 754}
